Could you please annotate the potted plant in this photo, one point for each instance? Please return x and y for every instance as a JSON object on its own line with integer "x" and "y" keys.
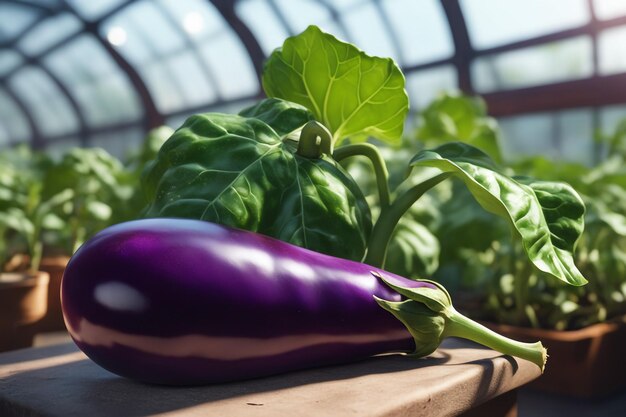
{"x": 581, "y": 326}
{"x": 24, "y": 217}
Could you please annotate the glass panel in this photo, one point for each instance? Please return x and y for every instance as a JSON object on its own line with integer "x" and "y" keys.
{"x": 608, "y": 9}
{"x": 575, "y": 136}
{"x": 47, "y": 104}
{"x": 299, "y": 15}
{"x": 528, "y": 135}
{"x": 165, "y": 91}
{"x": 191, "y": 79}
{"x": 14, "y": 19}
{"x": 415, "y": 22}
{"x": 423, "y": 86}
{"x": 548, "y": 63}
{"x": 12, "y": 119}
{"x": 91, "y": 10}
{"x": 134, "y": 32}
{"x": 611, "y": 51}
{"x": 198, "y": 18}
{"x": 263, "y": 22}
{"x": 492, "y": 23}
{"x": 49, "y": 32}
{"x": 231, "y": 66}
{"x": 119, "y": 143}
{"x": 367, "y": 30}
{"x": 610, "y": 117}
{"x": 101, "y": 89}
{"x": 9, "y": 60}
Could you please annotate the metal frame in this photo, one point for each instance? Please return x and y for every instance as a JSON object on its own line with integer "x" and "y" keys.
{"x": 594, "y": 91}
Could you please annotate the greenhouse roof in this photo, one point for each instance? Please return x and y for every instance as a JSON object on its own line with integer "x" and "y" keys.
{"x": 93, "y": 72}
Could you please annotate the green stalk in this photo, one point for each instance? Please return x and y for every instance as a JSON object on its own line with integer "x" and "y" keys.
{"x": 314, "y": 141}
{"x": 460, "y": 326}
{"x": 390, "y": 216}
{"x": 380, "y": 167}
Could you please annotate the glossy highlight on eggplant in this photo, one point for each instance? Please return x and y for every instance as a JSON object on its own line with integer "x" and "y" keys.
{"x": 183, "y": 302}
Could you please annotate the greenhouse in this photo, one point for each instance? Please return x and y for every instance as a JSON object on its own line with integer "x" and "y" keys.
{"x": 312, "y": 207}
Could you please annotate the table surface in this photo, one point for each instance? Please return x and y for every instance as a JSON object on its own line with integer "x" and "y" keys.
{"x": 60, "y": 380}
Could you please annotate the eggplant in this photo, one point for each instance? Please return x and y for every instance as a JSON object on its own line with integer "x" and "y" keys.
{"x": 187, "y": 302}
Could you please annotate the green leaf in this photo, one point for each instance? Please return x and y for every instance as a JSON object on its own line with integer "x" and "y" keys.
{"x": 550, "y": 249}
{"x": 353, "y": 94}
{"x": 413, "y": 250}
{"x": 454, "y": 117}
{"x": 99, "y": 210}
{"x": 51, "y": 221}
{"x": 282, "y": 116}
{"x": 238, "y": 172}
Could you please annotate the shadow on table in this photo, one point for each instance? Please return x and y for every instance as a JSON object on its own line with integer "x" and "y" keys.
{"x": 83, "y": 388}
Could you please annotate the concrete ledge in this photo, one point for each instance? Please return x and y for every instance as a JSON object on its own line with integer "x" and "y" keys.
{"x": 60, "y": 381}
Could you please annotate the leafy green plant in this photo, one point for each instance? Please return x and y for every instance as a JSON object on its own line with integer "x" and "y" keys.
{"x": 477, "y": 249}
{"x": 247, "y": 170}
{"x": 99, "y": 197}
{"x": 26, "y": 210}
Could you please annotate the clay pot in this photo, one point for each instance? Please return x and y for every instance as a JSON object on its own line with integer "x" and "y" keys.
{"x": 55, "y": 267}
{"x": 587, "y": 363}
{"x": 23, "y": 301}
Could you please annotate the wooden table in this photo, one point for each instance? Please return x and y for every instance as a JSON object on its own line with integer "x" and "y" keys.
{"x": 460, "y": 376}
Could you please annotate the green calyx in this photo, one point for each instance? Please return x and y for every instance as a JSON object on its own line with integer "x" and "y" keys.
{"x": 429, "y": 316}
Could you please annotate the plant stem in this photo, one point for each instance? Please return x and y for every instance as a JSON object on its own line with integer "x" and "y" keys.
{"x": 314, "y": 141}
{"x": 460, "y": 326}
{"x": 389, "y": 217}
{"x": 380, "y": 167}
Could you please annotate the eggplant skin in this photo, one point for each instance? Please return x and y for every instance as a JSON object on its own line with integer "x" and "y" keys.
{"x": 187, "y": 302}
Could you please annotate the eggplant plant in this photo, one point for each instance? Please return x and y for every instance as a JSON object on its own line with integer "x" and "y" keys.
{"x": 319, "y": 292}
{"x": 274, "y": 168}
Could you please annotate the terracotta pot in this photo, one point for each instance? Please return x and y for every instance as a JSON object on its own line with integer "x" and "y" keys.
{"x": 587, "y": 363}
{"x": 55, "y": 267}
{"x": 23, "y": 301}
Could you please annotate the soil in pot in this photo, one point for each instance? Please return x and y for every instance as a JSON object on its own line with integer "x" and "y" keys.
{"x": 23, "y": 301}
{"x": 587, "y": 363}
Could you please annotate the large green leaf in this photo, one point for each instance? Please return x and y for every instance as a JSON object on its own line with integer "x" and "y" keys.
{"x": 283, "y": 116}
{"x": 548, "y": 240}
{"x": 237, "y": 171}
{"x": 413, "y": 250}
{"x": 354, "y": 95}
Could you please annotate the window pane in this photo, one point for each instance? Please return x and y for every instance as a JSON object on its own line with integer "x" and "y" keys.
{"x": 165, "y": 92}
{"x": 263, "y": 22}
{"x": 575, "y": 136}
{"x": 90, "y": 9}
{"x": 48, "y": 105}
{"x": 610, "y": 117}
{"x": 544, "y": 64}
{"x": 492, "y": 23}
{"x": 611, "y": 51}
{"x": 103, "y": 92}
{"x": 414, "y": 22}
{"x": 119, "y": 143}
{"x": 528, "y": 135}
{"x": 423, "y": 86}
{"x": 198, "y": 18}
{"x": 8, "y": 60}
{"x": 231, "y": 66}
{"x": 367, "y": 30}
{"x": 49, "y": 32}
{"x": 12, "y": 121}
{"x": 608, "y": 9}
{"x": 14, "y": 19}
{"x": 134, "y": 32}
{"x": 299, "y": 15}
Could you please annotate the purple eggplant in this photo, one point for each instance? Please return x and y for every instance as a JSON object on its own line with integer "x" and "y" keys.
{"x": 181, "y": 302}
